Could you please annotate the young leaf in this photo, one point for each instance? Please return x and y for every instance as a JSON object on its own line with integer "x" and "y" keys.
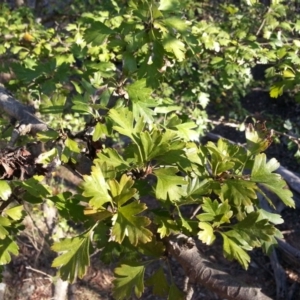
{"x": 129, "y": 278}
{"x": 126, "y": 223}
{"x": 75, "y": 258}
{"x": 95, "y": 187}
{"x": 206, "y": 235}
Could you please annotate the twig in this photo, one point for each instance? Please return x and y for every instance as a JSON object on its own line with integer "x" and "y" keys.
{"x": 221, "y": 122}
{"x": 195, "y": 212}
{"x": 292, "y": 137}
{"x": 40, "y": 272}
{"x": 263, "y": 23}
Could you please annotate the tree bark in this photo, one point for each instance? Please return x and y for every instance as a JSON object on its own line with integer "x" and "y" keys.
{"x": 202, "y": 271}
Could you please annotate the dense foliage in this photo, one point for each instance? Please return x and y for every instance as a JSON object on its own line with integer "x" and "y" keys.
{"x": 125, "y": 87}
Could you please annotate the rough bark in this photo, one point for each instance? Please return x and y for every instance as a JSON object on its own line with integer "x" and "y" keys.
{"x": 202, "y": 271}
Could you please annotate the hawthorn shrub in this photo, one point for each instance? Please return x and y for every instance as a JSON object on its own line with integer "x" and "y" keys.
{"x": 124, "y": 88}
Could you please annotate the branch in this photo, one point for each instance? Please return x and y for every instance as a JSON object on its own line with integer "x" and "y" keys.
{"x": 28, "y": 122}
{"x": 202, "y": 271}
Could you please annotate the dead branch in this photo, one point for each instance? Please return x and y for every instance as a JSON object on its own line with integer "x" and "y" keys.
{"x": 202, "y": 271}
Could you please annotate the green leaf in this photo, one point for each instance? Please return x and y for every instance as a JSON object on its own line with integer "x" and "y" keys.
{"x": 186, "y": 131}
{"x": 239, "y": 192}
{"x": 7, "y": 247}
{"x": 176, "y": 47}
{"x": 176, "y": 23}
{"x": 47, "y": 157}
{"x": 97, "y": 33}
{"x": 166, "y": 225}
{"x": 46, "y": 136}
{"x": 113, "y": 158}
{"x": 129, "y": 62}
{"x": 127, "y": 223}
{"x": 95, "y": 187}
{"x": 206, "y": 235}
{"x": 15, "y": 213}
{"x": 4, "y": 222}
{"x": 122, "y": 191}
{"x": 162, "y": 288}
{"x": 262, "y": 174}
{"x": 99, "y": 132}
{"x": 233, "y": 251}
{"x": 184, "y": 221}
{"x": 124, "y": 118}
{"x": 215, "y": 212}
{"x": 253, "y": 229}
{"x": 128, "y": 278}
{"x": 70, "y": 150}
{"x": 144, "y": 110}
{"x": 35, "y": 188}
{"x": 53, "y": 105}
{"x": 138, "y": 91}
{"x": 153, "y": 248}
{"x": 175, "y": 293}
{"x": 221, "y": 160}
{"x": 168, "y": 4}
{"x": 5, "y": 190}
{"x": 277, "y": 90}
{"x": 273, "y": 218}
{"x": 75, "y": 258}
{"x": 68, "y": 206}
{"x": 169, "y": 184}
